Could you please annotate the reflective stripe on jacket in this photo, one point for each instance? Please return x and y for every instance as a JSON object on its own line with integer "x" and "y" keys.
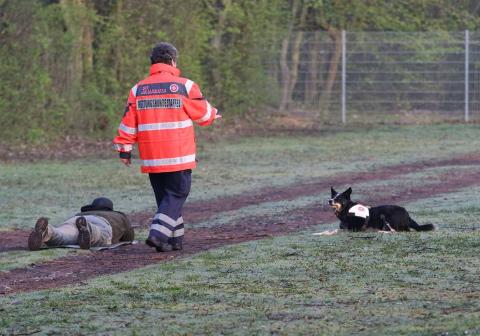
{"x": 159, "y": 117}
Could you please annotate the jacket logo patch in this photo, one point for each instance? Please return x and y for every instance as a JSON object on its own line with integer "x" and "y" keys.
{"x": 159, "y": 103}
{"x": 174, "y": 88}
{"x": 161, "y": 89}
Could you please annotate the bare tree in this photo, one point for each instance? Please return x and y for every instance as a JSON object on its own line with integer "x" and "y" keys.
{"x": 77, "y": 16}
{"x": 336, "y": 36}
{"x": 315, "y": 64}
{"x": 290, "y": 71}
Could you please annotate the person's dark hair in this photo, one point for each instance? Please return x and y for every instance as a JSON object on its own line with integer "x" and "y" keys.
{"x": 164, "y": 52}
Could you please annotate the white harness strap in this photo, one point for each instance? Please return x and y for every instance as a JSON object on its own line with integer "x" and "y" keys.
{"x": 359, "y": 211}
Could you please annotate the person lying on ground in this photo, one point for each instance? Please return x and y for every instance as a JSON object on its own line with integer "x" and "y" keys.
{"x": 97, "y": 224}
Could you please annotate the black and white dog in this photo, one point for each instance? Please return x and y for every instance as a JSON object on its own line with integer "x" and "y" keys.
{"x": 354, "y": 216}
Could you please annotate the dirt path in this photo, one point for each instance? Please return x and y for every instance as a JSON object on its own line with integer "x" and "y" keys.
{"x": 200, "y": 211}
{"x": 76, "y": 269}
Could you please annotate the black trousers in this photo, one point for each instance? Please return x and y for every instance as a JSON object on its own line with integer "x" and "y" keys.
{"x": 171, "y": 191}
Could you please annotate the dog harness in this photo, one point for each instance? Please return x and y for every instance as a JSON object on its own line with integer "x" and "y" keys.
{"x": 359, "y": 210}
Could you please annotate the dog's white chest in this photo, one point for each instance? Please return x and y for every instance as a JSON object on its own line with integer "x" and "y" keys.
{"x": 359, "y": 211}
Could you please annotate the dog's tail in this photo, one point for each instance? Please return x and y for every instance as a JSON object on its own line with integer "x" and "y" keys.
{"x": 426, "y": 227}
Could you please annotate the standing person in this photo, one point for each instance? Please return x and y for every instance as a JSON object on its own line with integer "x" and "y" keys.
{"x": 97, "y": 224}
{"x": 158, "y": 117}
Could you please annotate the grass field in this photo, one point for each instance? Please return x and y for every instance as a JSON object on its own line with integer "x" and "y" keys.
{"x": 352, "y": 283}
{"x": 56, "y": 189}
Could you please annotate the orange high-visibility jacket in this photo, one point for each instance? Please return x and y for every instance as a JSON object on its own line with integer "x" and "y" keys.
{"x": 159, "y": 118}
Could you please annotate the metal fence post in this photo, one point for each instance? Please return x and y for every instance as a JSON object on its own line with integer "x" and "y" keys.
{"x": 467, "y": 42}
{"x": 344, "y": 76}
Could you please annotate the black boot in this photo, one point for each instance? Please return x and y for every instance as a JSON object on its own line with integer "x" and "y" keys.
{"x": 159, "y": 245}
{"x": 177, "y": 245}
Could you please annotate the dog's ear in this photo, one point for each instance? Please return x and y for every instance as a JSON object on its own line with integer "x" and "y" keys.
{"x": 348, "y": 192}
{"x": 334, "y": 193}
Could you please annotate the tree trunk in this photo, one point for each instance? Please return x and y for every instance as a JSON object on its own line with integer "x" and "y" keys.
{"x": 290, "y": 74}
{"x": 220, "y": 26}
{"x": 120, "y": 21}
{"x": 87, "y": 42}
{"x": 77, "y": 15}
{"x": 217, "y": 44}
{"x": 285, "y": 74}
{"x": 336, "y": 37}
{"x": 294, "y": 64}
{"x": 314, "y": 67}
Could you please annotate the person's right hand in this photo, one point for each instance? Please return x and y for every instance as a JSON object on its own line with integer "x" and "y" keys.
{"x": 126, "y": 162}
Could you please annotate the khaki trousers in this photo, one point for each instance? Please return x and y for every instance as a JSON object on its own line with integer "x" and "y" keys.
{"x": 67, "y": 233}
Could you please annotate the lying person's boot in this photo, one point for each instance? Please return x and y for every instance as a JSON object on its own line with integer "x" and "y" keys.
{"x": 35, "y": 240}
{"x": 159, "y": 245}
{"x": 177, "y": 245}
{"x": 84, "y": 233}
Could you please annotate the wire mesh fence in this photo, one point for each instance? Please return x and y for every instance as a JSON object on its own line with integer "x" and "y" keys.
{"x": 377, "y": 76}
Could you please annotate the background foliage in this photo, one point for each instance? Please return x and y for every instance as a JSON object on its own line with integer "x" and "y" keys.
{"x": 67, "y": 65}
